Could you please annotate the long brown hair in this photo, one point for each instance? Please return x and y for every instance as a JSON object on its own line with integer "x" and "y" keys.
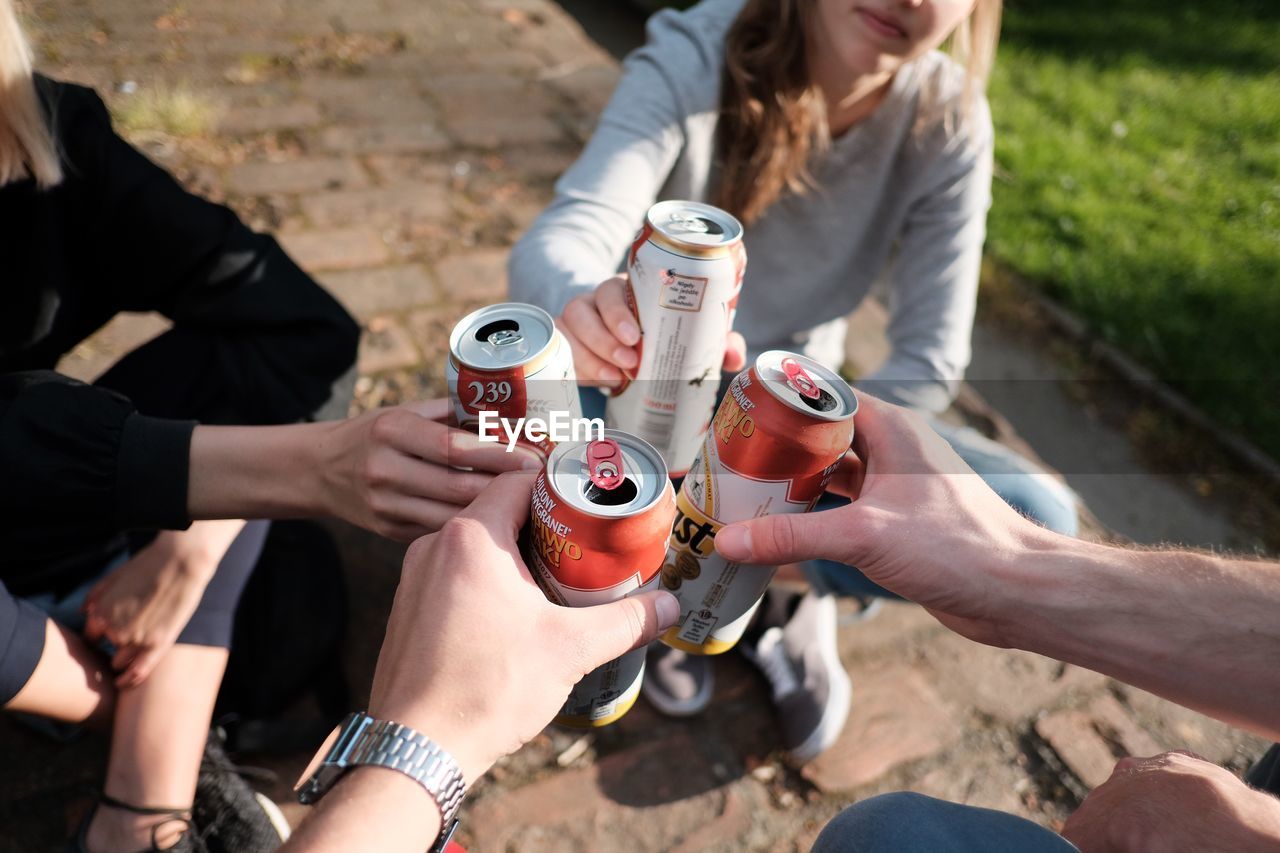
{"x": 27, "y": 147}
{"x": 773, "y": 118}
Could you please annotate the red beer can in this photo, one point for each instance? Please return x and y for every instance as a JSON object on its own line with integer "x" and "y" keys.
{"x": 772, "y": 448}
{"x": 598, "y": 526}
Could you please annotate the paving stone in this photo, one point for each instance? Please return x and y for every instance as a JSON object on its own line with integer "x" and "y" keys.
{"x": 256, "y": 119}
{"x": 292, "y": 176}
{"x": 423, "y": 136}
{"x": 367, "y": 293}
{"x": 123, "y": 333}
{"x": 589, "y": 88}
{"x": 381, "y": 110}
{"x": 480, "y": 274}
{"x": 385, "y": 345}
{"x": 377, "y": 205}
{"x": 896, "y": 718}
{"x": 393, "y": 168}
{"x": 336, "y": 249}
{"x": 496, "y": 131}
{"x": 644, "y": 807}
{"x": 1090, "y": 741}
{"x": 1006, "y": 684}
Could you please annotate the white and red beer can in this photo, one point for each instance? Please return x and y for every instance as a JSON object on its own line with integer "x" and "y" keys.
{"x": 773, "y": 446}
{"x": 598, "y": 526}
{"x": 685, "y": 272}
{"x": 511, "y": 360}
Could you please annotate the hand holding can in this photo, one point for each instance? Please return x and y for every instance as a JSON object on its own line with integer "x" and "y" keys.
{"x": 603, "y": 334}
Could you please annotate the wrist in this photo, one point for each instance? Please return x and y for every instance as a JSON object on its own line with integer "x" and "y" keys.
{"x": 452, "y": 731}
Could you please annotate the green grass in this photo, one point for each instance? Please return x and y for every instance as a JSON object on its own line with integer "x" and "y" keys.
{"x": 173, "y": 110}
{"x": 1138, "y": 180}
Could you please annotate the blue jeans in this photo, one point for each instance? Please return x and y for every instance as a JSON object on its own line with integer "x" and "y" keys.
{"x": 1023, "y": 485}
{"x": 905, "y": 823}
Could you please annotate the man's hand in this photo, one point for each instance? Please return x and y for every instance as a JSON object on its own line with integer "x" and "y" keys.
{"x": 394, "y": 471}
{"x": 922, "y": 524}
{"x": 603, "y": 334}
{"x": 143, "y": 605}
{"x": 475, "y": 656}
{"x": 1172, "y": 802}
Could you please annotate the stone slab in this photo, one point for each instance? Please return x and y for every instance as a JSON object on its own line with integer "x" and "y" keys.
{"x": 368, "y": 293}
{"x": 294, "y": 176}
{"x": 897, "y": 718}
{"x": 376, "y": 206}
{"x": 336, "y": 248}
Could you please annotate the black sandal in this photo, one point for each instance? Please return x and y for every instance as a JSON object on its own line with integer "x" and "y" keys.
{"x": 188, "y": 842}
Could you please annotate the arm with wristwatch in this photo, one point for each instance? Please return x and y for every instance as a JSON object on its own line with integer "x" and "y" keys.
{"x": 460, "y": 682}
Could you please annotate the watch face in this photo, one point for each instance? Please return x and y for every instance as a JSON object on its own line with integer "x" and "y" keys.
{"x": 319, "y": 758}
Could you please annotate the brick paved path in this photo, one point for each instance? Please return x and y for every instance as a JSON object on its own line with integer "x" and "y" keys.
{"x": 398, "y": 148}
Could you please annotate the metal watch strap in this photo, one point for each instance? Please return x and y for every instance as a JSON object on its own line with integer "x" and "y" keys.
{"x": 388, "y": 744}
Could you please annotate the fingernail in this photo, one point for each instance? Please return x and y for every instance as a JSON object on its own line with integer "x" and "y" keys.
{"x": 610, "y": 374}
{"x": 625, "y": 356}
{"x": 531, "y": 464}
{"x": 734, "y": 542}
{"x": 629, "y": 332}
{"x": 668, "y": 610}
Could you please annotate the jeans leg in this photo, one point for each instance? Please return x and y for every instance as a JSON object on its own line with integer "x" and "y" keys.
{"x": 1023, "y": 485}
{"x": 905, "y": 823}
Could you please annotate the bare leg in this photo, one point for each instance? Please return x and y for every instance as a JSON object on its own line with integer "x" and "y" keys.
{"x": 71, "y": 683}
{"x": 157, "y": 742}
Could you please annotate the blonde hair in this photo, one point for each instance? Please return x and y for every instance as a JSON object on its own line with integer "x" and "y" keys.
{"x": 772, "y": 116}
{"x": 27, "y": 147}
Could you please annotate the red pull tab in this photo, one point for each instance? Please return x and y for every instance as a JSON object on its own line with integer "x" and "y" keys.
{"x": 604, "y": 464}
{"x": 799, "y": 380}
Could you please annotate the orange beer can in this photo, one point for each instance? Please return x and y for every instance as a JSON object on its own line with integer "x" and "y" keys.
{"x": 772, "y": 448}
{"x": 598, "y": 525}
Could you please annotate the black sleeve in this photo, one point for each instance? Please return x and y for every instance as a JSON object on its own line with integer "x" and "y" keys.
{"x": 77, "y": 456}
{"x": 255, "y": 339}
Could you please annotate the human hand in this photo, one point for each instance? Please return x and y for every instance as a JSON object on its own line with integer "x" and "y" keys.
{"x": 143, "y": 605}
{"x": 390, "y": 471}
{"x": 475, "y": 656}
{"x": 922, "y": 524}
{"x": 603, "y": 334}
{"x": 1174, "y": 801}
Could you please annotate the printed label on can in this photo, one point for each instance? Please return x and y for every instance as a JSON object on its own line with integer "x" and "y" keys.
{"x": 682, "y": 292}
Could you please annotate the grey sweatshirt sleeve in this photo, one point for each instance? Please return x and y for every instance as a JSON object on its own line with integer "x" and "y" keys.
{"x": 933, "y": 279}
{"x": 600, "y": 203}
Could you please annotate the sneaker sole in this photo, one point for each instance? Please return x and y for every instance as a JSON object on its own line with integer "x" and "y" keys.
{"x": 279, "y": 822}
{"x": 834, "y": 716}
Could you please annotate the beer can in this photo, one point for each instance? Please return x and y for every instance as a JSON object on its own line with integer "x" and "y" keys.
{"x": 685, "y": 273}
{"x": 773, "y": 447}
{"x": 510, "y": 360}
{"x": 598, "y": 526}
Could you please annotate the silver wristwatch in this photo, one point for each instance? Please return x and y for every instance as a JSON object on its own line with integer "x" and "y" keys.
{"x": 362, "y": 740}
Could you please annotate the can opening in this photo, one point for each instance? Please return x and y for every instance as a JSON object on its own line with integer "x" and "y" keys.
{"x": 696, "y": 224}
{"x": 499, "y": 333}
{"x": 824, "y": 402}
{"x": 625, "y": 492}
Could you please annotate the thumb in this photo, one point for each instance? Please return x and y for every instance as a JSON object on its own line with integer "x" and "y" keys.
{"x": 778, "y": 539}
{"x": 613, "y": 629}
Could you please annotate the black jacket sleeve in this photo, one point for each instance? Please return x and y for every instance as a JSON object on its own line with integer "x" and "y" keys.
{"x": 77, "y": 456}
{"x": 255, "y": 339}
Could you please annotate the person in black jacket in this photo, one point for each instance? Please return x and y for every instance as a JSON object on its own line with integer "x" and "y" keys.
{"x": 216, "y": 418}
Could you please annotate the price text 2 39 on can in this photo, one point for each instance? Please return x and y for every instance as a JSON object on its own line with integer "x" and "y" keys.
{"x": 511, "y": 359}
{"x": 685, "y": 272}
{"x": 598, "y": 527}
{"x": 773, "y": 446}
